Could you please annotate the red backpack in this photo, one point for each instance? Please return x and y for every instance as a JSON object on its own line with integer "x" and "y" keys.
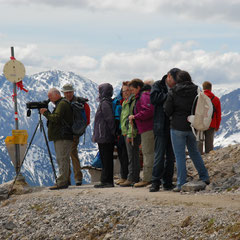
{"x": 87, "y": 112}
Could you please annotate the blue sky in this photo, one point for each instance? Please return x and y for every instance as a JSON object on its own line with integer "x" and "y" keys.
{"x": 109, "y": 41}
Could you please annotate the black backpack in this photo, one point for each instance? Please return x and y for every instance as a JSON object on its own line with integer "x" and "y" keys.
{"x": 79, "y": 118}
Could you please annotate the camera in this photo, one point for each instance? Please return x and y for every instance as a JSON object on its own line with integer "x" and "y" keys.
{"x": 36, "y": 105}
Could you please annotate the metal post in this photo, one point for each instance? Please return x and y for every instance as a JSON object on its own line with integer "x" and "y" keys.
{"x": 17, "y": 149}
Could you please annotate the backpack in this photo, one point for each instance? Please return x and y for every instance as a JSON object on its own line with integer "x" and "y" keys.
{"x": 80, "y": 119}
{"x": 97, "y": 163}
{"x": 201, "y": 114}
{"x": 117, "y": 109}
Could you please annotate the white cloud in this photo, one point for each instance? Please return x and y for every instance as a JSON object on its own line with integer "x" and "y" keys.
{"x": 202, "y": 10}
{"x": 213, "y": 66}
{"x": 79, "y": 62}
{"x": 155, "y": 44}
{"x": 151, "y": 61}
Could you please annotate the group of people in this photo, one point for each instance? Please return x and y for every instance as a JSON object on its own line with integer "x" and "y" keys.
{"x": 153, "y": 118}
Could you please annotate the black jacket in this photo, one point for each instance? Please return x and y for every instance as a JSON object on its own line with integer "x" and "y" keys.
{"x": 179, "y": 103}
{"x": 158, "y": 96}
{"x": 104, "y": 123}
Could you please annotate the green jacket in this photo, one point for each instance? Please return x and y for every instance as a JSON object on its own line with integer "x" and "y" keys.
{"x": 57, "y": 130}
{"x": 127, "y": 109}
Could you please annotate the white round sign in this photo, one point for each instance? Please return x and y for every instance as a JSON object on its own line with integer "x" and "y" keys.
{"x": 14, "y": 71}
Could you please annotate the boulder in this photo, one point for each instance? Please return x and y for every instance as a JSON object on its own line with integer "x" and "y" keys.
{"x": 194, "y": 186}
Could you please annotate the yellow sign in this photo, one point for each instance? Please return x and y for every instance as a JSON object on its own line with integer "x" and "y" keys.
{"x": 9, "y": 140}
{"x": 18, "y": 137}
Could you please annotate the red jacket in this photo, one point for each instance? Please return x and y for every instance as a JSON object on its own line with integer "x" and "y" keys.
{"x": 217, "y": 114}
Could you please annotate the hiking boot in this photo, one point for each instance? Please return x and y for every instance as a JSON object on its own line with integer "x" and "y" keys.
{"x": 56, "y": 187}
{"x": 206, "y": 181}
{"x": 127, "y": 183}
{"x": 177, "y": 189}
{"x": 104, "y": 185}
{"x": 78, "y": 183}
{"x": 168, "y": 187}
{"x": 154, "y": 188}
{"x": 141, "y": 184}
{"x": 119, "y": 181}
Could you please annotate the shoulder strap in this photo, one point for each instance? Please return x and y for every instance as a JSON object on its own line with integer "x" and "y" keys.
{"x": 195, "y": 101}
{"x": 65, "y": 100}
{"x": 82, "y": 100}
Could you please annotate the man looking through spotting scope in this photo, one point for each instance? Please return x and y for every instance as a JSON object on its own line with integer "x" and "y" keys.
{"x": 68, "y": 92}
{"x": 59, "y": 133}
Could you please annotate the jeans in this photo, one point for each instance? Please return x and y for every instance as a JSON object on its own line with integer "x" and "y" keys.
{"x": 163, "y": 167}
{"x": 180, "y": 139}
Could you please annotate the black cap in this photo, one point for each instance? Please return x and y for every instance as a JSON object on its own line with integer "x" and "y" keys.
{"x": 173, "y": 72}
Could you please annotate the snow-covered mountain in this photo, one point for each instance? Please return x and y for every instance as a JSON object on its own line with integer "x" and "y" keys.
{"x": 37, "y": 168}
{"x": 229, "y": 132}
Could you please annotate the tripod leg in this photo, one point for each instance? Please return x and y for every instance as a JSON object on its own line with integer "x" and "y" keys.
{"x": 17, "y": 174}
{"x": 50, "y": 155}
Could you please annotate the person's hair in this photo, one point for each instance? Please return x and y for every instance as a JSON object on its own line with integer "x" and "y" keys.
{"x": 125, "y": 83}
{"x": 207, "y": 86}
{"x": 54, "y": 91}
{"x": 173, "y": 72}
{"x": 135, "y": 83}
{"x": 183, "y": 76}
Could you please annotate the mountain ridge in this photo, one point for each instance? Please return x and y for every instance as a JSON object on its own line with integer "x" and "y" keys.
{"x": 38, "y": 85}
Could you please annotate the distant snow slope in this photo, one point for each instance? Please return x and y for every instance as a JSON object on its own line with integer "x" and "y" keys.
{"x": 37, "y": 168}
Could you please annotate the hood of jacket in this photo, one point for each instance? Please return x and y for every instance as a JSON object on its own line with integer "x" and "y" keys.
{"x": 185, "y": 89}
{"x": 105, "y": 91}
{"x": 145, "y": 88}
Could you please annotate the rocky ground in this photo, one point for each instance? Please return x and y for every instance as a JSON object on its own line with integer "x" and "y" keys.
{"x": 129, "y": 213}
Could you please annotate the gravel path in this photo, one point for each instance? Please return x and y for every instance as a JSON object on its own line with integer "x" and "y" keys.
{"x": 120, "y": 213}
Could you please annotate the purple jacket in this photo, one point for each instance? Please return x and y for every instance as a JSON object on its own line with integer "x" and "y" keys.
{"x": 104, "y": 124}
{"x": 144, "y": 111}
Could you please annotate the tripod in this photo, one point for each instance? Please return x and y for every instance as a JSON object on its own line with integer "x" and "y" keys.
{"x": 40, "y": 123}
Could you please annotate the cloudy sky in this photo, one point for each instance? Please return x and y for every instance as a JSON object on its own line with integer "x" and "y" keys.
{"x": 110, "y": 40}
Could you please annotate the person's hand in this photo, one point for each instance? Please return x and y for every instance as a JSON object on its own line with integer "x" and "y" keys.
{"x": 42, "y": 110}
{"x": 131, "y": 118}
